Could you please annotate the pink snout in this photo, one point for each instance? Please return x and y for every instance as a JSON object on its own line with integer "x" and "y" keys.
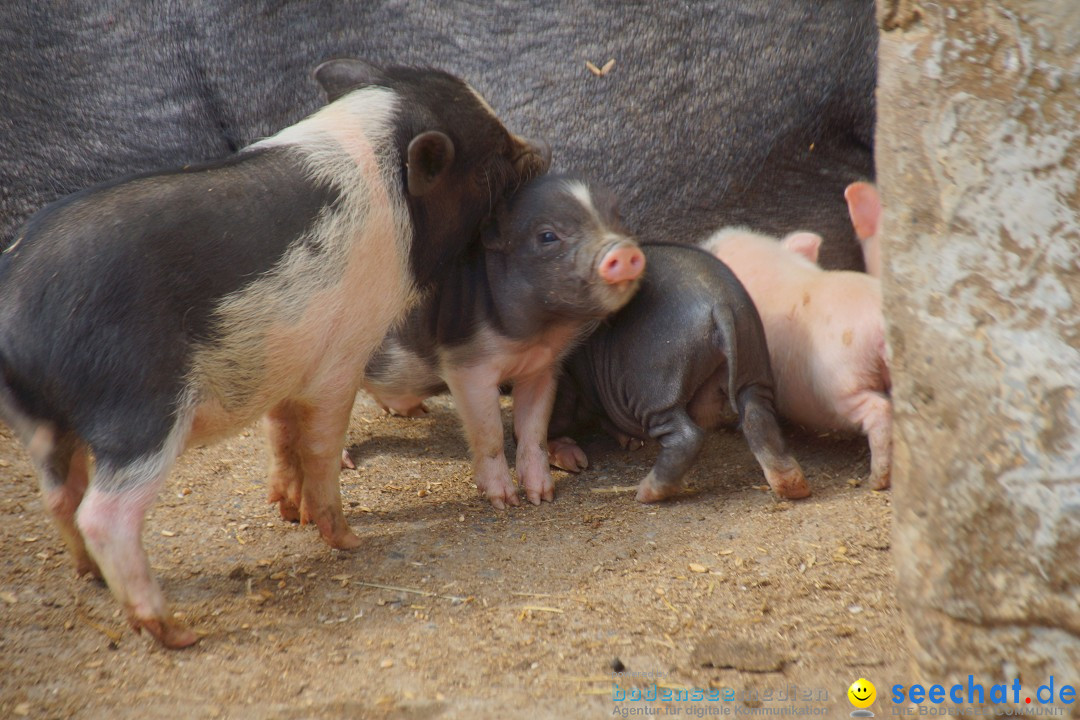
{"x": 622, "y": 264}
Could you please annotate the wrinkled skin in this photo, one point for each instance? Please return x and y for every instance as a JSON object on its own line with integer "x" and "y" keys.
{"x": 686, "y": 355}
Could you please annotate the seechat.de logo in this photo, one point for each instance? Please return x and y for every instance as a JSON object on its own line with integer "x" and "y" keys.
{"x": 975, "y": 693}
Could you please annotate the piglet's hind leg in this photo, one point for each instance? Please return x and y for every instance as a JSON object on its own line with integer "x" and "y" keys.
{"x": 111, "y": 519}
{"x": 680, "y": 442}
{"x": 62, "y": 465}
{"x": 626, "y": 441}
{"x": 872, "y": 412}
{"x": 762, "y": 434}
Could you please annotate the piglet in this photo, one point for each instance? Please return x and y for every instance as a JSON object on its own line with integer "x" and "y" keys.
{"x": 555, "y": 260}
{"x": 686, "y": 354}
{"x": 826, "y": 337}
{"x": 166, "y": 310}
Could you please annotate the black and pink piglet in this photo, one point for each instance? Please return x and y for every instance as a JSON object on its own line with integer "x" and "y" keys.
{"x": 147, "y": 315}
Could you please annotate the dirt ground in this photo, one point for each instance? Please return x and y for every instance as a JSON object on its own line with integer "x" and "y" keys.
{"x": 451, "y": 609}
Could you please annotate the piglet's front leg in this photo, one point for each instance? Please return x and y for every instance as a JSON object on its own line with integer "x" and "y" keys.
{"x": 533, "y": 400}
{"x": 476, "y": 394}
{"x": 305, "y": 441}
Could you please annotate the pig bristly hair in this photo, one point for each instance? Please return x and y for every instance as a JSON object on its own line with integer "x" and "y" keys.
{"x": 349, "y": 145}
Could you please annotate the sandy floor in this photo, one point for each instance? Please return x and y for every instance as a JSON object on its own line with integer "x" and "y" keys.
{"x": 491, "y": 614}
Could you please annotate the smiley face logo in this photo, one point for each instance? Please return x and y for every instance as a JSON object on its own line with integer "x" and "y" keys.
{"x": 862, "y": 693}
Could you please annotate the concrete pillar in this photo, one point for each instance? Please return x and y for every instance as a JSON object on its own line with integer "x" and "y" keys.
{"x": 978, "y": 161}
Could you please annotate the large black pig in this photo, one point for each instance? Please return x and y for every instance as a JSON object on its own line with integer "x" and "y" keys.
{"x": 154, "y": 313}
{"x": 555, "y": 260}
{"x": 712, "y": 110}
{"x": 687, "y": 353}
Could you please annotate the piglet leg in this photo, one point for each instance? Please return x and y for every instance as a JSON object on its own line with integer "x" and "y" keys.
{"x": 762, "y": 433}
{"x": 61, "y": 462}
{"x": 533, "y": 399}
{"x": 321, "y": 432}
{"x": 565, "y": 454}
{"x": 680, "y": 442}
{"x": 408, "y": 410}
{"x": 563, "y": 451}
{"x": 111, "y": 519}
{"x": 477, "y": 397}
{"x": 626, "y": 442}
{"x": 282, "y": 427}
{"x": 872, "y": 412}
{"x": 411, "y": 406}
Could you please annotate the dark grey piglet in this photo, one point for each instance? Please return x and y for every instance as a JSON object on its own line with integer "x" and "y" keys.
{"x": 668, "y": 366}
{"x": 555, "y": 261}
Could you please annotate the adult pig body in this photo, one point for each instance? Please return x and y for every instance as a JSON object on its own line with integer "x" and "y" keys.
{"x": 686, "y": 353}
{"x": 158, "y": 312}
{"x": 555, "y": 260}
{"x": 769, "y": 95}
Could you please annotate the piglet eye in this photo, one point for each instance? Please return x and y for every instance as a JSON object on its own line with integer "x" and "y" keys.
{"x": 548, "y": 237}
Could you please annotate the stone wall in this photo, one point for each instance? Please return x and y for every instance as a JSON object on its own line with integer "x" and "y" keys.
{"x": 978, "y": 161}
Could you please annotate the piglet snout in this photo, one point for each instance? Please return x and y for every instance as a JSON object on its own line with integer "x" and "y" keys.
{"x": 621, "y": 264}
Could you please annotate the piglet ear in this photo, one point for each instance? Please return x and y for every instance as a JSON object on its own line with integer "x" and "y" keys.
{"x": 864, "y": 206}
{"x": 343, "y": 75}
{"x": 430, "y": 156}
{"x": 806, "y": 244}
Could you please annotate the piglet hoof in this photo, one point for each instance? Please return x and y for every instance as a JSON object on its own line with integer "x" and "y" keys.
{"x": 409, "y": 411}
{"x": 85, "y": 565}
{"x": 170, "y": 633}
{"x": 628, "y": 442}
{"x": 495, "y": 484}
{"x": 789, "y": 484}
{"x": 880, "y": 482}
{"x": 567, "y": 455}
{"x": 499, "y": 494}
{"x": 288, "y": 510}
{"x": 343, "y": 540}
{"x": 417, "y": 411}
{"x": 334, "y": 530}
{"x": 499, "y": 500}
{"x": 542, "y": 492}
{"x": 347, "y": 461}
{"x": 652, "y": 490}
